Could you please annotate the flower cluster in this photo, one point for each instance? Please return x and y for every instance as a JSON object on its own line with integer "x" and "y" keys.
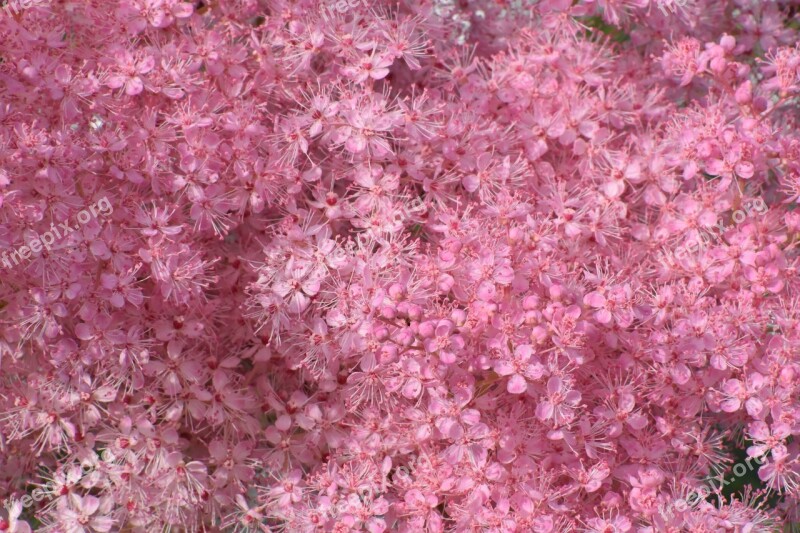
{"x": 756, "y": 207}
{"x": 343, "y": 240}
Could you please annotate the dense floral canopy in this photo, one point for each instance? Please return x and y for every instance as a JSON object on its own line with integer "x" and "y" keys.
{"x": 415, "y": 266}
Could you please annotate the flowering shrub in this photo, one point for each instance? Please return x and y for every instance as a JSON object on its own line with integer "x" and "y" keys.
{"x": 406, "y": 266}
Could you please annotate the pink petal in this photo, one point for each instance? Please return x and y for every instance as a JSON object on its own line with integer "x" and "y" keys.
{"x": 517, "y": 384}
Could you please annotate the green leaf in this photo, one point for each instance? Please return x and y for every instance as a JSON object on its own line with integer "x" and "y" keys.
{"x": 614, "y": 33}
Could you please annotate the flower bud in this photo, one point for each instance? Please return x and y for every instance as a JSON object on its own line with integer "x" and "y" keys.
{"x": 728, "y": 43}
{"x": 744, "y": 94}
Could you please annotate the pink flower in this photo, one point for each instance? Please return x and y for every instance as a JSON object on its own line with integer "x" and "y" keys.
{"x": 737, "y": 394}
{"x": 520, "y": 366}
{"x": 129, "y": 72}
{"x": 559, "y": 403}
{"x": 88, "y": 513}
{"x": 442, "y": 340}
{"x": 14, "y": 525}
